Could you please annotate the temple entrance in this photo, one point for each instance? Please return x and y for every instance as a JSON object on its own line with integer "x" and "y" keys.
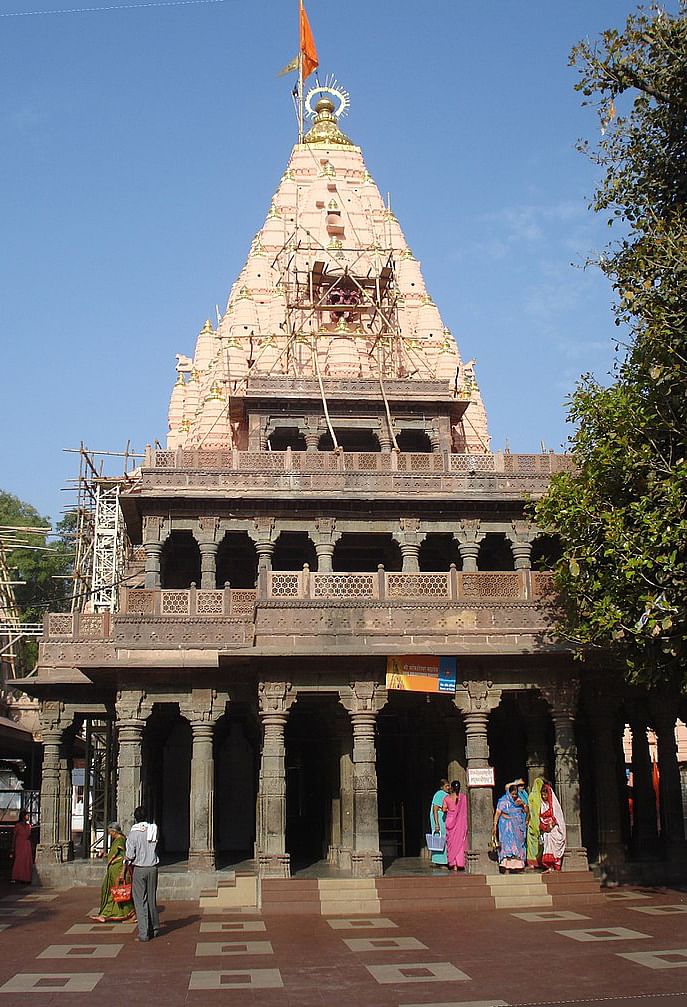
{"x": 312, "y": 782}
{"x": 167, "y": 778}
{"x": 420, "y": 740}
{"x": 237, "y": 747}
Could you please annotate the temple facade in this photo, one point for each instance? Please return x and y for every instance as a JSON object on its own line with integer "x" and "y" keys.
{"x": 328, "y": 501}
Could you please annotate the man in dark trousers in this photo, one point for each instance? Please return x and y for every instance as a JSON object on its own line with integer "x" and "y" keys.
{"x": 141, "y": 854}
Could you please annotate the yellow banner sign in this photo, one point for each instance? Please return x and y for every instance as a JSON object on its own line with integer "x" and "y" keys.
{"x": 421, "y": 674}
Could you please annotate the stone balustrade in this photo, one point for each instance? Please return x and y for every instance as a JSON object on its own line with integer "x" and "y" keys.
{"x": 304, "y": 587}
{"x": 404, "y": 473}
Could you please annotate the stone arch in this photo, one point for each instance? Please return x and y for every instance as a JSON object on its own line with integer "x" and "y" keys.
{"x": 237, "y": 561}
{"x": 495, "y": 553}
{"x": 438, "y": 551}
{"x": 364, "y": 552}
{"x": 414, "y": 440}
{"x": 180, "y": 561}
{"x": 292, "y": 550}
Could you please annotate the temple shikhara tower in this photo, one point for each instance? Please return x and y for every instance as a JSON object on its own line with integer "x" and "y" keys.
{"x": 326, "y": 592}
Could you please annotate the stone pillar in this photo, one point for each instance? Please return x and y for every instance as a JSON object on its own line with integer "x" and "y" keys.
{"x": 384, "y": 439}
{"x": 325, "y": 556}
{"x": 275, "y": 701}
{"x": 52, "y": 727}
{"x": 644, "y": 818}
{"x": 601, "y": 710}
{"x": 153, "y": 552}
{"x": 434, "y": 440}
{"x": 312, "y": 438}
{"x": 469, "y": 538}
{"x": 664, "y": 715}
{"x": 521, "y": 544}
{"x": 264, "y": 538}
{"x": 347, "y": 839}
{"x": 476, "y": 700}
{"x": 363, "y": 700}
{"x": 410, "y": 551}
{"x": 130, "y": 724}
{"x": 409, "y": 538}
{"x": 325, "y": 539}
{"x": 202, "y": 716}
{"x": 208, "y": 565}
{"x": 64, "y": 833}
{"x": 563, "y": 699}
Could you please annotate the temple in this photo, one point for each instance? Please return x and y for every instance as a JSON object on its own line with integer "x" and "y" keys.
{"x": 326, "y": 519}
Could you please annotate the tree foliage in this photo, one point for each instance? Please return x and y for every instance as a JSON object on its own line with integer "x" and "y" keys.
{"x": 622, "y": 514}
{"x": 43, "y": 569}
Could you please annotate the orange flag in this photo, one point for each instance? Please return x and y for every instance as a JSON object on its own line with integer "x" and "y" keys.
{"x": 308, "y": 48}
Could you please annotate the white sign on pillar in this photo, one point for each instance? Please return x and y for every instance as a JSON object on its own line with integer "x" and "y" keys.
{"x": 483, "y": 777}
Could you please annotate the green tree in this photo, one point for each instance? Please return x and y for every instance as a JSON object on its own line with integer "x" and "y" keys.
{"x": 45, "y": 568}
{"x": 622, "y": 514}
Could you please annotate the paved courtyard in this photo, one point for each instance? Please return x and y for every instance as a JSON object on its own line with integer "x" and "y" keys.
{"x": 631, "y": 948}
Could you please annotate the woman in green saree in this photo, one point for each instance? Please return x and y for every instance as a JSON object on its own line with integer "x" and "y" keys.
{"x": 111, "y": 911}
{"x": 534, "y": 840}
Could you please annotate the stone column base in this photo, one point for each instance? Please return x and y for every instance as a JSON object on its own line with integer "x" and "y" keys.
{"x": 479, "y": 862}
{"x": 366, "y": 864}
{"x": 274, "y": 865}
{"x": 575, "y": 859}
{"x": 201, "y": 860}
{"x": 344, "y": 859}
{"x": 333, "y": 855}
{"x": 46, "y": 854}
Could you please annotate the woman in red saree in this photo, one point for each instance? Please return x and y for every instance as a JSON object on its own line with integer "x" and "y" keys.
{"x": 455, "y": 808}
{"x": 22, "y": 850}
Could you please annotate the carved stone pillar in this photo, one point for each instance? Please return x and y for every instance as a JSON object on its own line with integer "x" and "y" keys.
{"x": 410, "y": 552}
{"x": 325, "y": 539}
{"x": 52, "y": 726}
{"x": 364, "y": 700}
{"x": 521, "y": 545}
{"x": 312, "y": 438}
{"x": 469, "y": 538}
{"x": 275, "y": 701}
{"x": 208, "y": 565}
{"x": 346, "y": 802}
{"x": 202, "y": 715}
{"x": 562, "y": 697}
{"x": 153, "y": 553}
{"x": 601, "y": 711}
{"x": 264, "y": 539}
{"x": 476, "y": 700}
{"x": 409, "y": 539}
{"x": 644, "y": 811}
{"x": 64, "y": 829}
{"x": 664, "y": 715}
{"x": 384, "y": 439}
{"x": 130, "y": 724}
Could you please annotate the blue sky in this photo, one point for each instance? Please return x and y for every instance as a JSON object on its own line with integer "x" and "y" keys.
{"x": 140, "y": 152}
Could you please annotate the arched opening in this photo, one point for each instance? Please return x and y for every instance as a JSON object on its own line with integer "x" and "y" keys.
{"x": 312, "y": 778}
{"x": 237, "y": 760}
{"x": 180, "y": 561}
{"x": 287, "y": 437}
{"x": 507, "y": 743}
{"x": 546, "y": 551}
{"x": 237, "y": 561}
{"x": 416, "y": 441}
{"x": 361, "y": 553}
{"x": 421, "y": 739}
{"x": 292, "y": 550}
{"x": 438, "y": 551}
{"x": 166, "y": 779}
{"x": 495, "y": 553}
{"x": 350, "y": 440}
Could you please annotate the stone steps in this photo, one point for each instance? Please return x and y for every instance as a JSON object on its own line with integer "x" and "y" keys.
{"x": 237, "y": 891}
{"x": 519, "y": 891}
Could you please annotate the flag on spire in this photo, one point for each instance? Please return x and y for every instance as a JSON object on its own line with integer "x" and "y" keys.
{"x": 308, "y": 49}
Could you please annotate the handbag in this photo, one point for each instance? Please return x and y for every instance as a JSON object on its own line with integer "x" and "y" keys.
{"x": 435, "y": 844}
{"x": 121, "y": 892}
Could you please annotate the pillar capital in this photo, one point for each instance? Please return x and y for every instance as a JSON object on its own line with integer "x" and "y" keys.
{"x": 275, "y": 699}
{"x": 52, "y": 717}
{"x": 477, "y": 696}
{"x": 561, "y": 694}
{"x": 207, "y": 531}
{"x": 131, "y": 706}
{"x": 155, "y": 529}
{"x": 363, "y": 697}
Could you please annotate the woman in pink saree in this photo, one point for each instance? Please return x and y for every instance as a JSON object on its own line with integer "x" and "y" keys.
{"x": 455, "y": 809}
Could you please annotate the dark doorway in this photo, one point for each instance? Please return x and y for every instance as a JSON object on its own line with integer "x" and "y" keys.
{"x": 361, "y": 553}
{"x": 507, "y": 743}
{"x": 292, "y": 550}
{"x": 546, "y": 551}
{"x": 236, "y": 750}
{"x": 311, "y": 765}
{"x": 167, "y": 778}
{"x": 416, "y": 441}
{"x": 180, "y": 561}
{"x": 350, "y": 440}
{"x": 438, "y": 551}
{"x": 237, "y": 562}
{"x": 287, "y": 437}
{"x": 495, "y": 553}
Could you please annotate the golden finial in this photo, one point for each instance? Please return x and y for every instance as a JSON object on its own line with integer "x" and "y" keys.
{"x": 325, "y": 128}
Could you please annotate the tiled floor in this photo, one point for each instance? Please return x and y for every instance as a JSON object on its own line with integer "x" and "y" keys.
{"x": 430, "y": 959}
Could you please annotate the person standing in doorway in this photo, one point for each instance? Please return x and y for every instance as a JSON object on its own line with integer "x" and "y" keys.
{"x": 437, "y": 822}
{"x": 22, "y": 850}
{"x": 456, "y": 823}
{"x": 141, "y": 854}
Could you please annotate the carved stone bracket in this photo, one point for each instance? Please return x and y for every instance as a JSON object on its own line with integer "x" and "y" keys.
{"x": 477, "y": 696}
{"x": 202, "y": 707}
{"x": 363, "y": 696}
{"x": 275, "y": 698}
{"x": 208, "y": 529}
{"x": 155, "y": 528}
{"x": 561, "y": 694}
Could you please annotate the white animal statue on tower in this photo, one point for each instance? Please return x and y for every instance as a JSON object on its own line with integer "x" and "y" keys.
{"x": 184, "y": 364}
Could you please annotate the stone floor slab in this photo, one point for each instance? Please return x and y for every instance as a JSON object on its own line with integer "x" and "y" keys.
{"x": 233, "y": 926}
{"x": 417, "y": 972}
{"x": 52, "y": 982}
{"x": 604, "y": 934}
{"x": 365, "y": 923}
{"x": 224, "y": 948}
{"x": 81, "y": 951}
{"x": 462, "y": 1003}
{"x": 102, "y": 928}
{"x": 7, "y": 911}
{"x": 38, "y": 897}
{"x": 672, "y": 959}
{"x": 385, "y": 944}
{"x": 620, "y": 896}
{"x": 256, "y": 979}
{"x": 551, "y": 916}
{"x": 659, "y": 910}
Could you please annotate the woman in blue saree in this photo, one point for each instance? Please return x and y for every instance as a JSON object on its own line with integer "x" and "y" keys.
{"x": 510, "y": 829}
{"x": 437, "y": 822}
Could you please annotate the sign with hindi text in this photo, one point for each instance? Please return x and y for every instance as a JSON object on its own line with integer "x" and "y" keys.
{"x": 421, "y": 674}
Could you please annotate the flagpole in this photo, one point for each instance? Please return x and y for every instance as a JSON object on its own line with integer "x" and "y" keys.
{"x": 300, "y": 74}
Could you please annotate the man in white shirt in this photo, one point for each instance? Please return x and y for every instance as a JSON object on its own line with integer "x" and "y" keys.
{"x": 141, "y": 854}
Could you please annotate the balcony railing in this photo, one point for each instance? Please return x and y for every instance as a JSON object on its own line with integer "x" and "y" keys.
{"x": 302, "y": 587}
